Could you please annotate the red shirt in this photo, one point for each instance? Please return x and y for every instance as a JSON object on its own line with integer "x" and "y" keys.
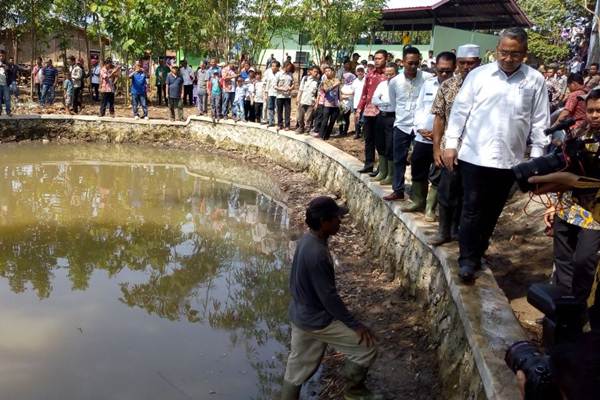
{"x": 575, "y": 105}
{"x": 372, "y": 80}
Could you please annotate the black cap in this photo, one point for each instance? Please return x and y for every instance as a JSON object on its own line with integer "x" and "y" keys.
{"x": 325, "y": 207}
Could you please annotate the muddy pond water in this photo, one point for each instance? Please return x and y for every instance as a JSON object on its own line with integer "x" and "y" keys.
{"x": 127, "y": 274}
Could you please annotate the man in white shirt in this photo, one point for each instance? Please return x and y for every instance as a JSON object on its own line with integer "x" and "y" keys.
{"x": 307, "y": 95}
{"x": 404, "y": 92}
{"x": 271, "y": 76}
{"x": 384, "y": 126}
{"x": 187, "y": 73}
{"x": 498, "y": 108}
{"x": 422, "y": 155}
{"x": 357, "y": 85}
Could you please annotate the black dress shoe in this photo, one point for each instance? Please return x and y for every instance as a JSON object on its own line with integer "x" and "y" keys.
{"x": 467, "y": 273}
{"x": 365, "y": 169}
{"x": 374, "y": 173}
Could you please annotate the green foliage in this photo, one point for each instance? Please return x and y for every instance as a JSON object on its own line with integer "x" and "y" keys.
{"x": 335, "y": 25}
{"x": 549, "y": 17}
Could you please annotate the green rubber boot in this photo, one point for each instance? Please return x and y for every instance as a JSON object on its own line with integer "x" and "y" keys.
{"x": 390, "y": 174}
{"x": 417, "y": 197}
{"x": 290, "y": 391}
{"x": 355, "y": 376}
{"x": 383, "y": 169}
{"x": 431, "y": 204}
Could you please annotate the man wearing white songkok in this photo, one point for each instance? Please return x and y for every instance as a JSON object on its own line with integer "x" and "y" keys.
{"x": 498, "y": 108}
{"x": 449, "y": 186}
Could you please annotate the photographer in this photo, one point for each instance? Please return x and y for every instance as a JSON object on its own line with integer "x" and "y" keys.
{"x": 576, "y": 232}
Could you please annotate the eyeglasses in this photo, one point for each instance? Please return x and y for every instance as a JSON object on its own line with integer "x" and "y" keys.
{"x": 511, "y": 54}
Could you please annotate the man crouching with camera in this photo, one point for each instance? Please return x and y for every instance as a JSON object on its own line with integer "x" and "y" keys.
{"x": 571, "y": 367}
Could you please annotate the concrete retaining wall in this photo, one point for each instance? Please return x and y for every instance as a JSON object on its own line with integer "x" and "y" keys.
{"x": 473, "y": 324}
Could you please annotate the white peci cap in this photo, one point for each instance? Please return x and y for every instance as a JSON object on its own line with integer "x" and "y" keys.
{"x": 468, "y": 50}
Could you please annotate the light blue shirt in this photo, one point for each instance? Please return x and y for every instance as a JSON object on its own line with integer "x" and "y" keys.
{"x": 404, "y": 93}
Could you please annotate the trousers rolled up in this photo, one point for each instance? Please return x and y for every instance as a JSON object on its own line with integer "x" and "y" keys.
{"x": 308, "y": 348}
{"x": 401, "y": 146}
{"x": 575, "y": 258}
{"x": 485, "y": 193}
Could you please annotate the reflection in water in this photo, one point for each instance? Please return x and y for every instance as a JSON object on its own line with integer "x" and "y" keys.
{"x": 204, "y": 260}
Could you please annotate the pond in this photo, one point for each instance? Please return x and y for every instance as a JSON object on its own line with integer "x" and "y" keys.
{"x": 126, "y": 275}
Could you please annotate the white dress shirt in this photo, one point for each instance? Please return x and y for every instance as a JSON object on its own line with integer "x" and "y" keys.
{"x": 493, "y": 115}
{"x": 423, "y": 116}
{"x": 404, "y": 93}
{"x": 187, "y": 74}
{"x": 381, "y": 97}
{"x": 358, "y": 84}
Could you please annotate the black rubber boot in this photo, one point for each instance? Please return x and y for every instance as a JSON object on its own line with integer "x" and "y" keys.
{"x": 445, "y": 222}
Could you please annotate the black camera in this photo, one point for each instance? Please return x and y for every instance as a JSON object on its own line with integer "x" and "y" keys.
{"x": 563, "y": 322}
{"x": 559, "y": 158}
{"x": 526, "y": 356}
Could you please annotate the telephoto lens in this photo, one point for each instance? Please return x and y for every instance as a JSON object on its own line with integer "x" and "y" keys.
{"x": 527, "y": 357}
{"x": 547, "y": 164}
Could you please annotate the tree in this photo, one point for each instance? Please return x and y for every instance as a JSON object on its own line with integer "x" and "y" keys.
{"x": 549, "y": 17}
{"x": 335, "y": 25}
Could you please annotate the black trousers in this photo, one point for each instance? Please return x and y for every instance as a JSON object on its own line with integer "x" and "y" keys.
{"x": 96, "y": 91}
{"x": 258, "y": 111}
{"x": 330, "y": 115}
{"x": 249, "y": 111}
{"x": 345, "y": 124}
{"x": 369, "y": 129}
{"x": 161, "y": 93}
{"x": 188, "y": 94}
{"x": 485, "y": 193}
{"x": 575, "y": 258}
{"x": 318, "y": 118}
{"x": 77, "y": 99}
{"x": 421, "y": 160}
{"x": 450, "y": 191}
{"x": 384, "y": 131}
{"x": 108, "y": 100}
{"x": 284, "y": 110}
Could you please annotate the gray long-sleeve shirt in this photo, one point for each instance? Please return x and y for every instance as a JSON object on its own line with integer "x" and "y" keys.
{"x": 315, "y": 300}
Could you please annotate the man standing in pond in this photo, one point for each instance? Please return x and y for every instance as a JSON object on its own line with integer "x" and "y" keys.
{"x": 499, "y": 108}
{"x": 318, "y": 315}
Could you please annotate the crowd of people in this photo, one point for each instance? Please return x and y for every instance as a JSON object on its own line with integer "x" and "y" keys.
{"x": 460, "y": 124}
{"x": 467, "y": 126}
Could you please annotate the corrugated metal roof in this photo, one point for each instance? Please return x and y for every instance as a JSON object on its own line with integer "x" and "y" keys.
{"x": 462, "y": 14}
{"x": 412, "y": 4}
